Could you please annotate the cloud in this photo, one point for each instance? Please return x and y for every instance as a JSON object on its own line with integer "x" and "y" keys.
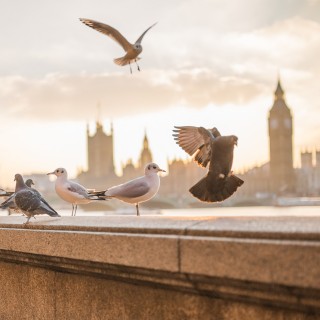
{"x": 69, "y": 96}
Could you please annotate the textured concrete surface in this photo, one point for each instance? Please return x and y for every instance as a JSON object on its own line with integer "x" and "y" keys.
{"x": 157, "y": 267}
{"x": 291, "y": 227}
{"x": 35, "y": 293}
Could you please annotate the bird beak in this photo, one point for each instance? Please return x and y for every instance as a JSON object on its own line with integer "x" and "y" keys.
{"x": 162, "y": 170}
{"x": 50, "y": 173}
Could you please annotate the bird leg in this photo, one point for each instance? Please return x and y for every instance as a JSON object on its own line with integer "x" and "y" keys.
{"x": 72, "y": 210}
{"x": 137, "y": 207}
{"x": 130, "y": 67}
{"x": 137, "y": 64}
{"x": 75, "y": 211}
{"x": 27, "y": 220}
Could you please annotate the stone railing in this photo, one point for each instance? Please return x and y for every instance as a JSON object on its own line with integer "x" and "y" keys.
{"x": 154, "y": 267}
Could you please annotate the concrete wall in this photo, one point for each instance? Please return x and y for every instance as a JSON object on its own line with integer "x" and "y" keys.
{"x": 160, "y": 268}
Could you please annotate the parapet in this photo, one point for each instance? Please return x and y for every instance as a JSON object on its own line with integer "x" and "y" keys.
{"x": 156, "y": 267}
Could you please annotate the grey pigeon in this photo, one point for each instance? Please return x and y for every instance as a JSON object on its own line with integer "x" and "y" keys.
{"x": 132, "y": 50}
{"x": 29, "y": 201}
{"x": 208, "y": 145}
{"x": 10, "y": 203}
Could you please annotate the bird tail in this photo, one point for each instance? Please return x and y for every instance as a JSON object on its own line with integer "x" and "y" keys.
{"x": 53, "y": 214}
{"x": 124, "y": 61}
{"x": 99, "y": 195}
{"x": 7, "y": 203}
{"x": 204, "y": 191}
{"x": 44, "y": 210}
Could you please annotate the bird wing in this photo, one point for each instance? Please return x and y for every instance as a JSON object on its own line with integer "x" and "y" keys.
{"x": 195, "y": 140}
{"x": 141, "y": 37}
{"x": 110, "y": 32}
{"x": 77, "y": 188}
{"x": 27, "y": 200}
{"x": 131, "y": 189}
{"x": 9, "y": 203}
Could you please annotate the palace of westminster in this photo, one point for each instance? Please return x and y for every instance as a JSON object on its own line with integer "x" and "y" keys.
{"x": 263, "y": 183}
{"x": 276, "y": 177}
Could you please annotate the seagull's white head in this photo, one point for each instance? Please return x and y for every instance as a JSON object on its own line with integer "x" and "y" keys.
{"x": 152, "y": 168}
{"x": 60, "y": 172}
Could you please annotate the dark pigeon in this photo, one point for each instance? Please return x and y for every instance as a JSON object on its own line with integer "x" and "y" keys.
{"x": 207, "y": 145}
{"x": 29, "y": 200}
{"x": 10, "y": 203}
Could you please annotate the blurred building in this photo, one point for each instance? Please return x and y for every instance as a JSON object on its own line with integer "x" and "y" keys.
{"x": 308, "y": 176}
{"x": 274, "y": 178}
{"x": 282, "y": 179}
{"x": 101, "y": 170}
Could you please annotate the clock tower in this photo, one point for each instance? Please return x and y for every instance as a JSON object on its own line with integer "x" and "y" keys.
{"x": 280, "y": 137}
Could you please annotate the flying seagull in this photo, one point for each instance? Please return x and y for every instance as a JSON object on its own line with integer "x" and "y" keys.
{"x": 10, "y": 203}
{"x": 132, "y": 50}
{"x": 208, "y": 145}
{"x": 29, "y": 201}
{"x": 137, "y": 190}
{"x": 71, "y": 191}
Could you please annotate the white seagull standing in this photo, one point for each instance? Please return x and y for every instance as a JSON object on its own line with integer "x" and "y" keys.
{"x": 71, "y": 191}
{"x": 137, "y": 190}
{"x": 132, "y": 50}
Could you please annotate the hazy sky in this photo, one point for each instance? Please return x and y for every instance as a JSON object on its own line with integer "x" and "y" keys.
{"x": 208, "y": 63}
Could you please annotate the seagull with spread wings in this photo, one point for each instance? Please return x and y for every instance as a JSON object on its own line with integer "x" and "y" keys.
{"x": 132, "y": 50}
{"x": 208, "y": 145}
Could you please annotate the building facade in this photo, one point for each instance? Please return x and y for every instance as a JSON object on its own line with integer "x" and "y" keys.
{"x": 100, "y": 151}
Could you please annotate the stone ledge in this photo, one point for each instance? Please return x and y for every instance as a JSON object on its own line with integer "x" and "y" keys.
{"x": 283, "y": 227}
{"x": 266, "y": 261}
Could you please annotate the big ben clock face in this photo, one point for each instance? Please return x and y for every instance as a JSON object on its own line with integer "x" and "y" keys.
{"x": 274, "y": 123}
{"x": 287, "y": 123}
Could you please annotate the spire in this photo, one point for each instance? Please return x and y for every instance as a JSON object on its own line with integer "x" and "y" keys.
{"x": 98, "y": 122}
{"x": 145, "y": 140}
{"x": 279, "y": 93}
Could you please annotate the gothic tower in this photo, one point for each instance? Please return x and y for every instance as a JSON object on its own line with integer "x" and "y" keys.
{"x": 145, "y": 156}
{"x": 280, "y": 138}
{"x": 100, "y": 152}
